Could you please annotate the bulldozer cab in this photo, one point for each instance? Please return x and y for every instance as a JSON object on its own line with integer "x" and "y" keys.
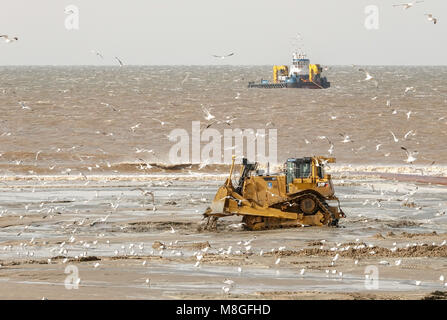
{"x": 295, "y": 197}
{"x": 298, "y": 168}
{"x": 304, "y": 169}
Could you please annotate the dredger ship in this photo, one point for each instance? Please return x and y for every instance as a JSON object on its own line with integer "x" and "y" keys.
{"x": 301, "y": 74}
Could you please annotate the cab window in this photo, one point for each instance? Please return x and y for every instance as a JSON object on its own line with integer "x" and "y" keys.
{"x": 320, "y": 172}
{"x": 304, "y": 170}
{"x": 291, "y": 171}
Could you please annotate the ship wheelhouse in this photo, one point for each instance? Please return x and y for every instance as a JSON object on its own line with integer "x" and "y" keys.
{"x": 300, "y": 65}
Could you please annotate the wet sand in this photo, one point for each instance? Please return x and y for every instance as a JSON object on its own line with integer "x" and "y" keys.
{"x": 123, "y": 249}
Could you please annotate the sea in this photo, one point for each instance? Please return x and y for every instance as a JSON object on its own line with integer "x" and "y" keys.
{"x": 87, "y": 120}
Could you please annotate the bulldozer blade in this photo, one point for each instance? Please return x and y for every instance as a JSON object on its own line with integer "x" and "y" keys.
{"x": 220, "y": 200}
{"x": 210, "y": 223}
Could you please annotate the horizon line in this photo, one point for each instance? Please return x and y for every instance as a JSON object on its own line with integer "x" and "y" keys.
{"x": 212, "y": 65}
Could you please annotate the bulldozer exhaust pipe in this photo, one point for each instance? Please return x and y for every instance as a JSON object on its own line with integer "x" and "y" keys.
{"x": 231, "y": 170}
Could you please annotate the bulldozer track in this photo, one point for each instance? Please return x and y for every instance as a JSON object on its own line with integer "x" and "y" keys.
{"x": 265, "y": 223}
{"x": 298, "y": 197}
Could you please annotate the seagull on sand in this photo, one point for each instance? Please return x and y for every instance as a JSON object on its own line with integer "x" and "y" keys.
{"x": 407, "y": 5}
{"x": 228, "y": 282}
{"x": 223, "y": 57}
{"x": 8, "y": 39}
{"x": 151, "y": 194}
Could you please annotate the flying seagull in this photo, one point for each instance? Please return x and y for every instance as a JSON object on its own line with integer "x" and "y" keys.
{"x": 69, "y": 11}
{"x": 24, "y": 106}
{"x": 223, "y": 57}
{"x": 411, "y": 155}
{"x": 161, "y": 122}
{"x": 208, "y": 116}
{"x": 346, "y": 138}
{"x": 109, "y": 105}
{"x": 431, "y": 18}
{"x": 228, "y": 122}
{"x": 119, "y": 61}
{"x": 8, "y": 39}
{"x": 408, "y": 89}
{"x": 331, "y": 148}
{"x": 369, "y": 77}
{"x": 98, "y": 54}
{"x": 394, "y": 137}
{"x": 411, "y": 132}
{"x": 186, "y": 78}
{"x": 407, "y": 5}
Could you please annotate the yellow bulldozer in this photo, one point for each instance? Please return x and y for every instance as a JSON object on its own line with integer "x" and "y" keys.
{"x": 295, "y": 197}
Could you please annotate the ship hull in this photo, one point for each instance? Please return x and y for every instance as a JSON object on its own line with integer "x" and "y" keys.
{"x": 298, "y": 85}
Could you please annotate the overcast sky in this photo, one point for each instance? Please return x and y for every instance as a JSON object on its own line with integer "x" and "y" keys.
{"x": 162, "y": 32}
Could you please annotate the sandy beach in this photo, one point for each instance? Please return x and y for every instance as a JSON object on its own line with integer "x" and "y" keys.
{"x": 124, "y": 249}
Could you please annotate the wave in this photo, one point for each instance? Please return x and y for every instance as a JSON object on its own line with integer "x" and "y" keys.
{"x": 140, "y": 171}
{"x": 439, "y": 171}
